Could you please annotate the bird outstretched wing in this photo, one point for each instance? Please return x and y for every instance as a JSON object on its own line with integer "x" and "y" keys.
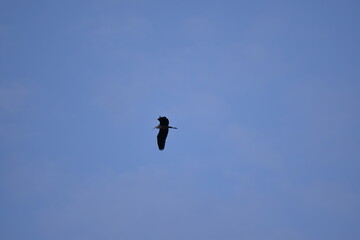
{"x": 161, "y": 138}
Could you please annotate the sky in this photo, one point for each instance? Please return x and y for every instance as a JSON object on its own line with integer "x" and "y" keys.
{"x": 265, "y": 96}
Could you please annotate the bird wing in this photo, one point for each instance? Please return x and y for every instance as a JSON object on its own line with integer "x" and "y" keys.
{"x": 163, "y": 121}
{"x": 161, "y": 138}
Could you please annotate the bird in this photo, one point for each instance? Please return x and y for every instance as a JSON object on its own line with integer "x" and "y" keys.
{"x": 163, "y": 132}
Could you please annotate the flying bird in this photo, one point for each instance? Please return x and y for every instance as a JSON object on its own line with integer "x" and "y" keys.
{"x": 163, "y": 131}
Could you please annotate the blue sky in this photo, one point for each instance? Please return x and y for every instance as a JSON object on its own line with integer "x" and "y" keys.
{"x": 265, "y": 95}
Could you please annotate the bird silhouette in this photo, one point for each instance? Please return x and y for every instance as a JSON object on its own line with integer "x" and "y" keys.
{"x": 163, "y": 131}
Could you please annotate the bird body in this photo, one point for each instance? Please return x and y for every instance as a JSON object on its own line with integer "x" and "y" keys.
{"x": 163, "y": 132}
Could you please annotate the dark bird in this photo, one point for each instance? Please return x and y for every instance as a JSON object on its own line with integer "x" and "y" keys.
{"x": 163, "y": 131}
